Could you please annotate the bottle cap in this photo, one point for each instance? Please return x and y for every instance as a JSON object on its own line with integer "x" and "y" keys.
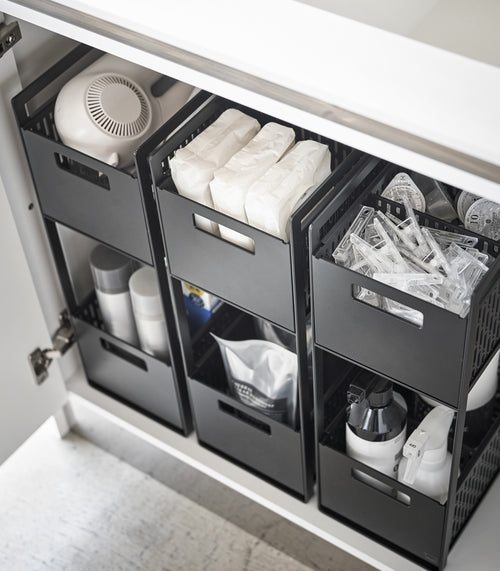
{"x": 483, "y": 217}
{"x": 111, "y": 270}
{"x": 464, "y": 201}
{"x": 403, "y": 185}
{"x": 381, "y": 394}
{"x": 145, "y": 293}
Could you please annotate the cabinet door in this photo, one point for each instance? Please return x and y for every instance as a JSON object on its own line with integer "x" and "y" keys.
{"x": 24, "y": 405}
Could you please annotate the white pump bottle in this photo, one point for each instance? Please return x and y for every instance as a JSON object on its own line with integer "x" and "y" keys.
{"x": 426, "y": 462}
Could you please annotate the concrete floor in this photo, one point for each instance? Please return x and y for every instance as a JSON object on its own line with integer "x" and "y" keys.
{"x": 70, "y": 505}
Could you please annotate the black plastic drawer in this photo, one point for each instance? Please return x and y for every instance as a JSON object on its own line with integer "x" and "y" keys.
{"x": 263, "y": 445}
{"x": 126, "y": 372}
{"x": 434, "y": 359}
{"x": 74, "y": 188}
{"x": 263, "y": 282}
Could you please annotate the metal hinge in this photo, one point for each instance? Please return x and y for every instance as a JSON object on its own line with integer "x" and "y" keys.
{"x": 62, "y": 340}
{"x": 10, "y": 34}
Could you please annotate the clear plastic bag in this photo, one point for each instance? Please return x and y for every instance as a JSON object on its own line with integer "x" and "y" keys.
{"x": 262, "y": 375}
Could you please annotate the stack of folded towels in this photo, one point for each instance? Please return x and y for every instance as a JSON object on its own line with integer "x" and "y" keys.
{"x": 253, "y": 174}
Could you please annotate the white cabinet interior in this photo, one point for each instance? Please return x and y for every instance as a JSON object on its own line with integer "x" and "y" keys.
{"x": 350, "y": 103}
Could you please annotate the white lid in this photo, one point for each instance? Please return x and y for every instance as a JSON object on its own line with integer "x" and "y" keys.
{"x": 145, "y": 293}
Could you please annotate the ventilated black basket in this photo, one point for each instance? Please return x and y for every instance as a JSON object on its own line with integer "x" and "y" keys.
{"x": 404, "y": 519}
{"x": 436, "y": 358}
{"x": 264, "y": 282}
{"x": 73, "y": 188}
{"x": 270, "y": 447}
{"x": 151, "y": 385}
{"x": 271, "y": 283}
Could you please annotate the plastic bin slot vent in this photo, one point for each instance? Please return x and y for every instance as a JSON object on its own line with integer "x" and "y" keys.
{"x": 43, "y": 123}
{"x": 350, "y": 199}
{"x": 475, "y": 485}
{"x": 91, "y": 313}
{"x": 165, "y": 167}
{"x": 488, "y": 328}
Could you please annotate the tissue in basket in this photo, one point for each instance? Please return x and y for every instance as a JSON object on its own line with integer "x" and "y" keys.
{"x": 192, "y": 167}
{"x": 271, "y": 199}
{"x": 232, "y": 182}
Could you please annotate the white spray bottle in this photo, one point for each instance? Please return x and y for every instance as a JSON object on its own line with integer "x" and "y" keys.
{"x": 426, "y": 462}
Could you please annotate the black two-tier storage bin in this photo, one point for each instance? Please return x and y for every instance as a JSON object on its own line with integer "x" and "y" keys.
{"x": 79, "y": 193}
{"x": 441, "y": 359}
{"x": 400, "y": 517}
{"x": 270, "y": 283}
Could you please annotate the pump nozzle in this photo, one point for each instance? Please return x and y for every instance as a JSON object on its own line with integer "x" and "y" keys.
{"x": 431, "y": 436}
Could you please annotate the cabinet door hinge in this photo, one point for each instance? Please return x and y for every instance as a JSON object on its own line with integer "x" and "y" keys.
{"x": 10, "y": 34}
{"x": 62, "y": 340}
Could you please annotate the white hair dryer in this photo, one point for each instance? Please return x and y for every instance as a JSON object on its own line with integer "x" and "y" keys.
{"x": 112, "y": 106}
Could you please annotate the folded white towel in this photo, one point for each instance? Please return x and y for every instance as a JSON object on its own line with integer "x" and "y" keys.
{"x": 231, "y": 182}
{"x": 271, "y": 199}
{"x": 193, "y": 166}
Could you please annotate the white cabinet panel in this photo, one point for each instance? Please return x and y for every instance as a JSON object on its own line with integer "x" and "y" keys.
{"x": 24, "y": 405}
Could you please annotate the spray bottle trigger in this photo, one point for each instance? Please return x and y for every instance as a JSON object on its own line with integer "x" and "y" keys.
{"x": 413, "y": 450}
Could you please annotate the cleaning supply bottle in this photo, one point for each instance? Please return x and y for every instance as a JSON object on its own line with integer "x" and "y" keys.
{"x": 148, "y": 313}
{"x": 426, "y": 462}
{"x": 111, "y": 272}
{"x": 376, "y": 424}
{"x": 480, "y": 404}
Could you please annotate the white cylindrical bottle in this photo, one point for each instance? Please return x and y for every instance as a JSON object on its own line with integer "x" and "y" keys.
{"x": 148, "y": 312}
{"x": 426, "y": 462}
{"x": 376, "y": 425}
{"x": 480, "y": 403}
{"x": 111, "y": 272}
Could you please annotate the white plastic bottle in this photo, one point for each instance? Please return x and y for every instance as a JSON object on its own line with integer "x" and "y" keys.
{"x": 148, "y": 313}
{"x": 111, "y": 272}
{"x": 426, "y": 462}
{"x": 480, "y": 403}
{"x": 376, "y": 425}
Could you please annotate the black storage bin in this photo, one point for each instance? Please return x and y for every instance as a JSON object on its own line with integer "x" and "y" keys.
{"x": 154, "y": 386}
{"x": 435, "y": 359}
{"x": 271, "y": 283}
{"x": 272, "y": 449}
{"x": 108, "y": 205}
{"x": 73, "y": 188}
{"x": 124, "y": 371}
{"x": 262, "y": 282}
{"x": 419, "y": 528}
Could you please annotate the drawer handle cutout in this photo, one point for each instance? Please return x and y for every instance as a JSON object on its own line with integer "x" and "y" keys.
{"x": 379, "y": 486}
{"x": 224, "y": 233}
{"x": 240, "y": 415}
{"x": 82, "y": 171}
{"x": 404, "y": 312}
{"x": 123, "y": 354}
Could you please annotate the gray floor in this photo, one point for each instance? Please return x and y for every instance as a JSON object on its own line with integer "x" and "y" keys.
{"x": 68, "y": 504}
